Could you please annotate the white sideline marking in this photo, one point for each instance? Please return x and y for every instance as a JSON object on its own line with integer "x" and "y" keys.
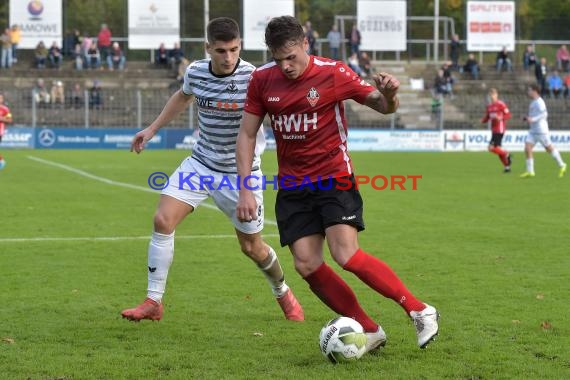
{"x": 115, "y": 238}
{"x": 117, "y": 183}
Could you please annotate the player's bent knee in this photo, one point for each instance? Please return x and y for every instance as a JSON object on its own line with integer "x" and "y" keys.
{"x": 253, "y": 249}
{"x": 163, "y": 223}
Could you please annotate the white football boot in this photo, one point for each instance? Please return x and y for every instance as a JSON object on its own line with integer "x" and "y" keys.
{"x": 426, "y": 324}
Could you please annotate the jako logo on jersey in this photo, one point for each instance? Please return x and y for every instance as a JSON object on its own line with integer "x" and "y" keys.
{"x": 313, "y": 96}
{"x": 294, "y": 123}
{"x": 232, "y": 87}
{"x": 273, "y": 99}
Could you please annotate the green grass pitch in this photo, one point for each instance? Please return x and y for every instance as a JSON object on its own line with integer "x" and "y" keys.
{"x": 489, "y": 250}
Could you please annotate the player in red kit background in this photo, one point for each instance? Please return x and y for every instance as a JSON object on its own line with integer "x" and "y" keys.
{"x": 498, "y": 113}
{"x": 303, "y": 96}
{"x": 5, "y": 117}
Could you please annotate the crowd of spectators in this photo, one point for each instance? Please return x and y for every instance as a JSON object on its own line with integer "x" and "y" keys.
{"x": 554, "y": 80}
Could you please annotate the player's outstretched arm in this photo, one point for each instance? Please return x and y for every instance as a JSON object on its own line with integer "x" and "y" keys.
{"x": 177, "y": 103}
{"x": 385, "y": 99}
{"x": 246, "y": 209}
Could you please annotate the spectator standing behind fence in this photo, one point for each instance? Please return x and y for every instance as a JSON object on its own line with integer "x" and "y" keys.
{"x": 93, "y": 57}
{"x": 95, "y": 95}
{"x": 86, "y": 43}
{"x": 455, "y": 51}
{"x": 472, "y": 66}
{"x": 354, "y": 37}
{"x": 15, "y": 37}
{"x": 563, "y": 58}
{"x": 446, "y": 67}
{"x": 104, "y": 41}
{"x": 77, "y": 98}
{"x": 555, "y": 86}
{"x": 70, "y": 40}
{"x": 161, "y": 56}
{"x": 334, "y": 41}
{"x": 567, "y": 85}
{"x": 540, "y": 72}
{"x": 311, "y": 37}
{"x": 40, "y": 54}
{"x": 78, "y": 57}
{"x": 6, "y": 56}
{"x": 529, "y": 57}
{"x": 40, "y": 93}
{"x": 365, "y": 64}
{"x": 55, "y": 55}
{"x": 57, "y": 93}
{"x": 440, "y": 84}
{"x": 175, "y": 56}
{"x": 116, "y": 58}
{"x": 354, "y": 64}
{"x": 504, "y": 60}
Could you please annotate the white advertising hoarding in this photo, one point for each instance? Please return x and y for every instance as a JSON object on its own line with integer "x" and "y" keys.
{"x": 513, "y": 141}
{"x": 38, "y": 20}
{"x": 490, "y": 25}
{"x": 393, "y": 141}
{"x": 256, "y": 15}
{"x": 382, "y": 25}
{"x": 153, "y": 22}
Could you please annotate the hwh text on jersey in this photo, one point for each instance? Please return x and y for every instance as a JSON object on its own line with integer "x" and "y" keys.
{"x": 294, "y": 122}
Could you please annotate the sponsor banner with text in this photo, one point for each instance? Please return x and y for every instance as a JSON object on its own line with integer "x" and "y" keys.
{"x": 38, "y": 21}
{"x": 490, "y": 25}
{"x": 77, "y": 138}
{"x": 512, "y": 141}
{"x": 256, "y": 15}
{"x": 382, "y": 25}
{"x": 402, "y": 141}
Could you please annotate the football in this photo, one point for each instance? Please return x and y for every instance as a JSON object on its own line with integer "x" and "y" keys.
{"x": 342, "y": 339}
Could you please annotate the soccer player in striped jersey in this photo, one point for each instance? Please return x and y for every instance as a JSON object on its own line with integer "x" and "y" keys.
{"x": 497, "y": 113}
{"x": 219, "y": 86}
{"x": 303, "y": 96}
{"x": 537, "y": 120}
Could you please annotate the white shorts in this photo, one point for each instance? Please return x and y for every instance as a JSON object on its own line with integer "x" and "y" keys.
{"x": 542, "y": 138}
{"x": 193, "y": 183}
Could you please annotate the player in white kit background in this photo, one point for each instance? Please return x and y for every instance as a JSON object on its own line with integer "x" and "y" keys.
{"x": 219, "y": 86}
{"x": 537, "y": 120}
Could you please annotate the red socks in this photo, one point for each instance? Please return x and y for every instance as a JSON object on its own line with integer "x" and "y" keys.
{"x": 336, "y": 294}
{"x": 376, "y": 274}
{"x": 502, "y": 154}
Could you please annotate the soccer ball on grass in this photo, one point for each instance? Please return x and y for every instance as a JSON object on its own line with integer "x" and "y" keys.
{"x": 342, "y": 339}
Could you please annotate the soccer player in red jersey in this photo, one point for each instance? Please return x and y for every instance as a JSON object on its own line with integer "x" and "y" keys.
{"x": 5, "y": 117}
{"x": 498, "y": 113}
{"x": 303, "y": 96}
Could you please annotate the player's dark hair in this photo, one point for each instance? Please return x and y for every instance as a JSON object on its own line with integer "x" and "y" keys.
{"x": 222, "y": 29}
{"x": 283, "y": 31}
{"x": 534, "y": 87}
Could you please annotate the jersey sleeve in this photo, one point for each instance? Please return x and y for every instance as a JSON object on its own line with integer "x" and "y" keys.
{"x": 186, "y": 87}
{"x": 486, "y": 118}
{"x": 254, "y": 98}
{"x": 506, "y": 112}
{"x": 348, "y": 85}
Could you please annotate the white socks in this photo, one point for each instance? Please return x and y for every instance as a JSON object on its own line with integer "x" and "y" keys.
{"x": 530, "y": 165}
{"x": 556, "y": 155}
{"x": 271, "y": 269}
{"x": 160, "y": 254}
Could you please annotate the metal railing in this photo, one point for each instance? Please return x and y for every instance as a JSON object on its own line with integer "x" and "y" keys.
{"x": 137, "y": 108}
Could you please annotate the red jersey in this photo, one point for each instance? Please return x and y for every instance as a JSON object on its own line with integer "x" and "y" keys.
{"x": 4, "y": 111}
{"x": 307, "y": 116}
{"x": 498, "y": 113}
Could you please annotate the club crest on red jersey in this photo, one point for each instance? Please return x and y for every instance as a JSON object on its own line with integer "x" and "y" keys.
{"x": 313, "y": 96}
